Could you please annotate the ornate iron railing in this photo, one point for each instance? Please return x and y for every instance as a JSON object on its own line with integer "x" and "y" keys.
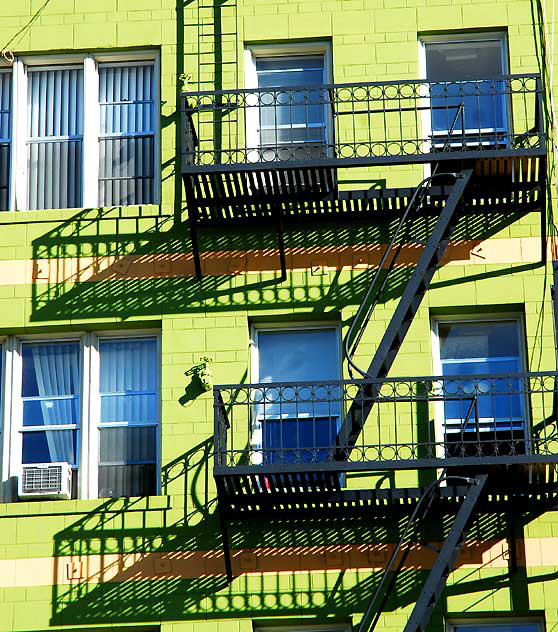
{"x": 364, "y": 123}
{"x": 414, "y": 422}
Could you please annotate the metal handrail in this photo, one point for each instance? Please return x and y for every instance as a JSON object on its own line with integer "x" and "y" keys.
{"x": 360, "y": 84}
{"x": 349, "y": 353}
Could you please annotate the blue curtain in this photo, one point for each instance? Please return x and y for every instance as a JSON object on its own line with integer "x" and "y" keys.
{"x": 126, "y": 164}
{"x": 129, "y": 414}
{"x": 5, "y": 137}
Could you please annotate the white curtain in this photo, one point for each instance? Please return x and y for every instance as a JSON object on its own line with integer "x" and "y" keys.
{"x": 57, "y": 373}
{"x": 55, "y": 135}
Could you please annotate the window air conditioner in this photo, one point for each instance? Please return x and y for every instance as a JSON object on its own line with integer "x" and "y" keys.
{"x": 46, "y": 480}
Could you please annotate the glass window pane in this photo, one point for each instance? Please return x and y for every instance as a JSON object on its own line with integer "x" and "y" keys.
{"x": 484, "y": 104}
{"x": 116, "y": 481}
{"x": 479, "y": 340}
{"x": 302, "y": 428}
{"x": 126, "y": 170}
{"x": 296, "y": 356}
{"x": 55, "y": 134}
{"x": 51, "y": 382}
{"x": 127, "y": 144}
{"x": 477, "y": 407}
{"x": 50, "y": 446}
{"x": 119, "y": 446}
{"x": 5, "y": 137}
{"x": 50, "y": 369}
{"x": 457, "y": 61}
{"x": 50, "y": 412}
{"x": 301, "y": 115}
{"x": 128, "y": 382}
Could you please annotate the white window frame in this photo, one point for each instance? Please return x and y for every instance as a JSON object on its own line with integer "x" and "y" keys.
{"x": 454, "y": 38}
{"x": 452, "y": 624}
{"x": 91, "y": 121}
{"x": 88, "y": 430}
{"x": 289, "y": 49}
{"x": 439, "y": 416}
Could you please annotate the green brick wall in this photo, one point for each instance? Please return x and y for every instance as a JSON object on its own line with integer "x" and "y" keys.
{"x": 155, "y": 577}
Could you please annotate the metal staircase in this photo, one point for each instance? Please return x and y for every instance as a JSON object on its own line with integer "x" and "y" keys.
{"x": 404, "y": 313}
{"x": 446, "y": 558}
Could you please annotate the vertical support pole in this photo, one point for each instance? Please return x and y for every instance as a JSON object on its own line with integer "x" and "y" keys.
{"x": 554, "y": 294}
{"x": 281, "y": 241}
{"x": 543, "y": 201}
{"x": 226, "y": 545}
{"x": 512, "y": 535}
{"x": 195, "y": 245}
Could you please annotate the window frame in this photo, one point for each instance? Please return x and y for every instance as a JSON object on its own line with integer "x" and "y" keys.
{"x": 288, "y": 50}
{"x": 87, "y": 444}
{"x": 452, "y": 623}
{"x": 255, "y": 441}
{"x": 329, "y": 627}
{"x": 95, "y": 406}
{"x": 455, "y": 38}
{"x": 439, "y": 414}
{"x": 5, "y": 70}
{"x": 18, "y": 193}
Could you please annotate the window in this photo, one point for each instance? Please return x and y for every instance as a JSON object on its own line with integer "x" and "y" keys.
{"x": 129, "y": 416}
{"x": 340, "y": 627}
{"x": 92, "y": 402}
{"x": 293, "y": 426}
{"x": 80, "y": 132}
{"x": 5, "y": 136}
{"x": 290, "y": 124}
{"x": 484, "y": 409}
{"x": 472, "y": 64}
{"x": 496, "y": 626}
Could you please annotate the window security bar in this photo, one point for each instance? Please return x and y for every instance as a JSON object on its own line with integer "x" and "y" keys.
{"x": 365, "y": 122}
{"x": 415, "y": 422}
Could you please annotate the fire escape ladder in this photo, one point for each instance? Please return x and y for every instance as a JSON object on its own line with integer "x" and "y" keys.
{"x": 402, "y": 318}
{"x": 445, "y": 562}
{"x": 447, "y": 555}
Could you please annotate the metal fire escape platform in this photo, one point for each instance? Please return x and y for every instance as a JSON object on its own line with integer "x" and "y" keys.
{"x": 232, "y": 178}
{"x": 286, "y": 450}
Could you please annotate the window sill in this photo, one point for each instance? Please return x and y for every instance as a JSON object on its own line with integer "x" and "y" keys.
{"x": 54, "y": 215}
{"x": 72, "y": 507}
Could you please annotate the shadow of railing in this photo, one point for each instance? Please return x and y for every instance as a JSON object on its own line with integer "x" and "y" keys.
{"x": 140, "y": 560}
{"x": 102, "y": 263}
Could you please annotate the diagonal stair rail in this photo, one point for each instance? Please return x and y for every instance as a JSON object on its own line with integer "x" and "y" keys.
{"x": 444, "y": 564}
{"x": 403, "y": 316}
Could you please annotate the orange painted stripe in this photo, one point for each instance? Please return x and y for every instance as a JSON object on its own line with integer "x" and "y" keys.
{"x": 533, "y": 552}
{"x": 230, "y": 262}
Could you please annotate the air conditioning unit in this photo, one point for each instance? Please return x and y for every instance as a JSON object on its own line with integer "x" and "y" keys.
{"x": 46, "y": 480}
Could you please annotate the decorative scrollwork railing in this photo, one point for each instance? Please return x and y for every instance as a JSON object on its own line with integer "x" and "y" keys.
{"x": 414, "y": 422}
{"x": 364, "y": 122}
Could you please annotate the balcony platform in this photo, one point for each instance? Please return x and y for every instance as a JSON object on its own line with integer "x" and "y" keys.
{"x": 271, "y": 445}
{"x": 295, "y": 495}
{"x": 233, "y": 176}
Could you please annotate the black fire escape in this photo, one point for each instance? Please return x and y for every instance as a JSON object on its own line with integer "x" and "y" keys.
{"x": 234, "y": 175}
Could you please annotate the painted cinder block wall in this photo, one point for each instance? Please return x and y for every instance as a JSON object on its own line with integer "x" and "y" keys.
{"x": 157, "y": 562}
